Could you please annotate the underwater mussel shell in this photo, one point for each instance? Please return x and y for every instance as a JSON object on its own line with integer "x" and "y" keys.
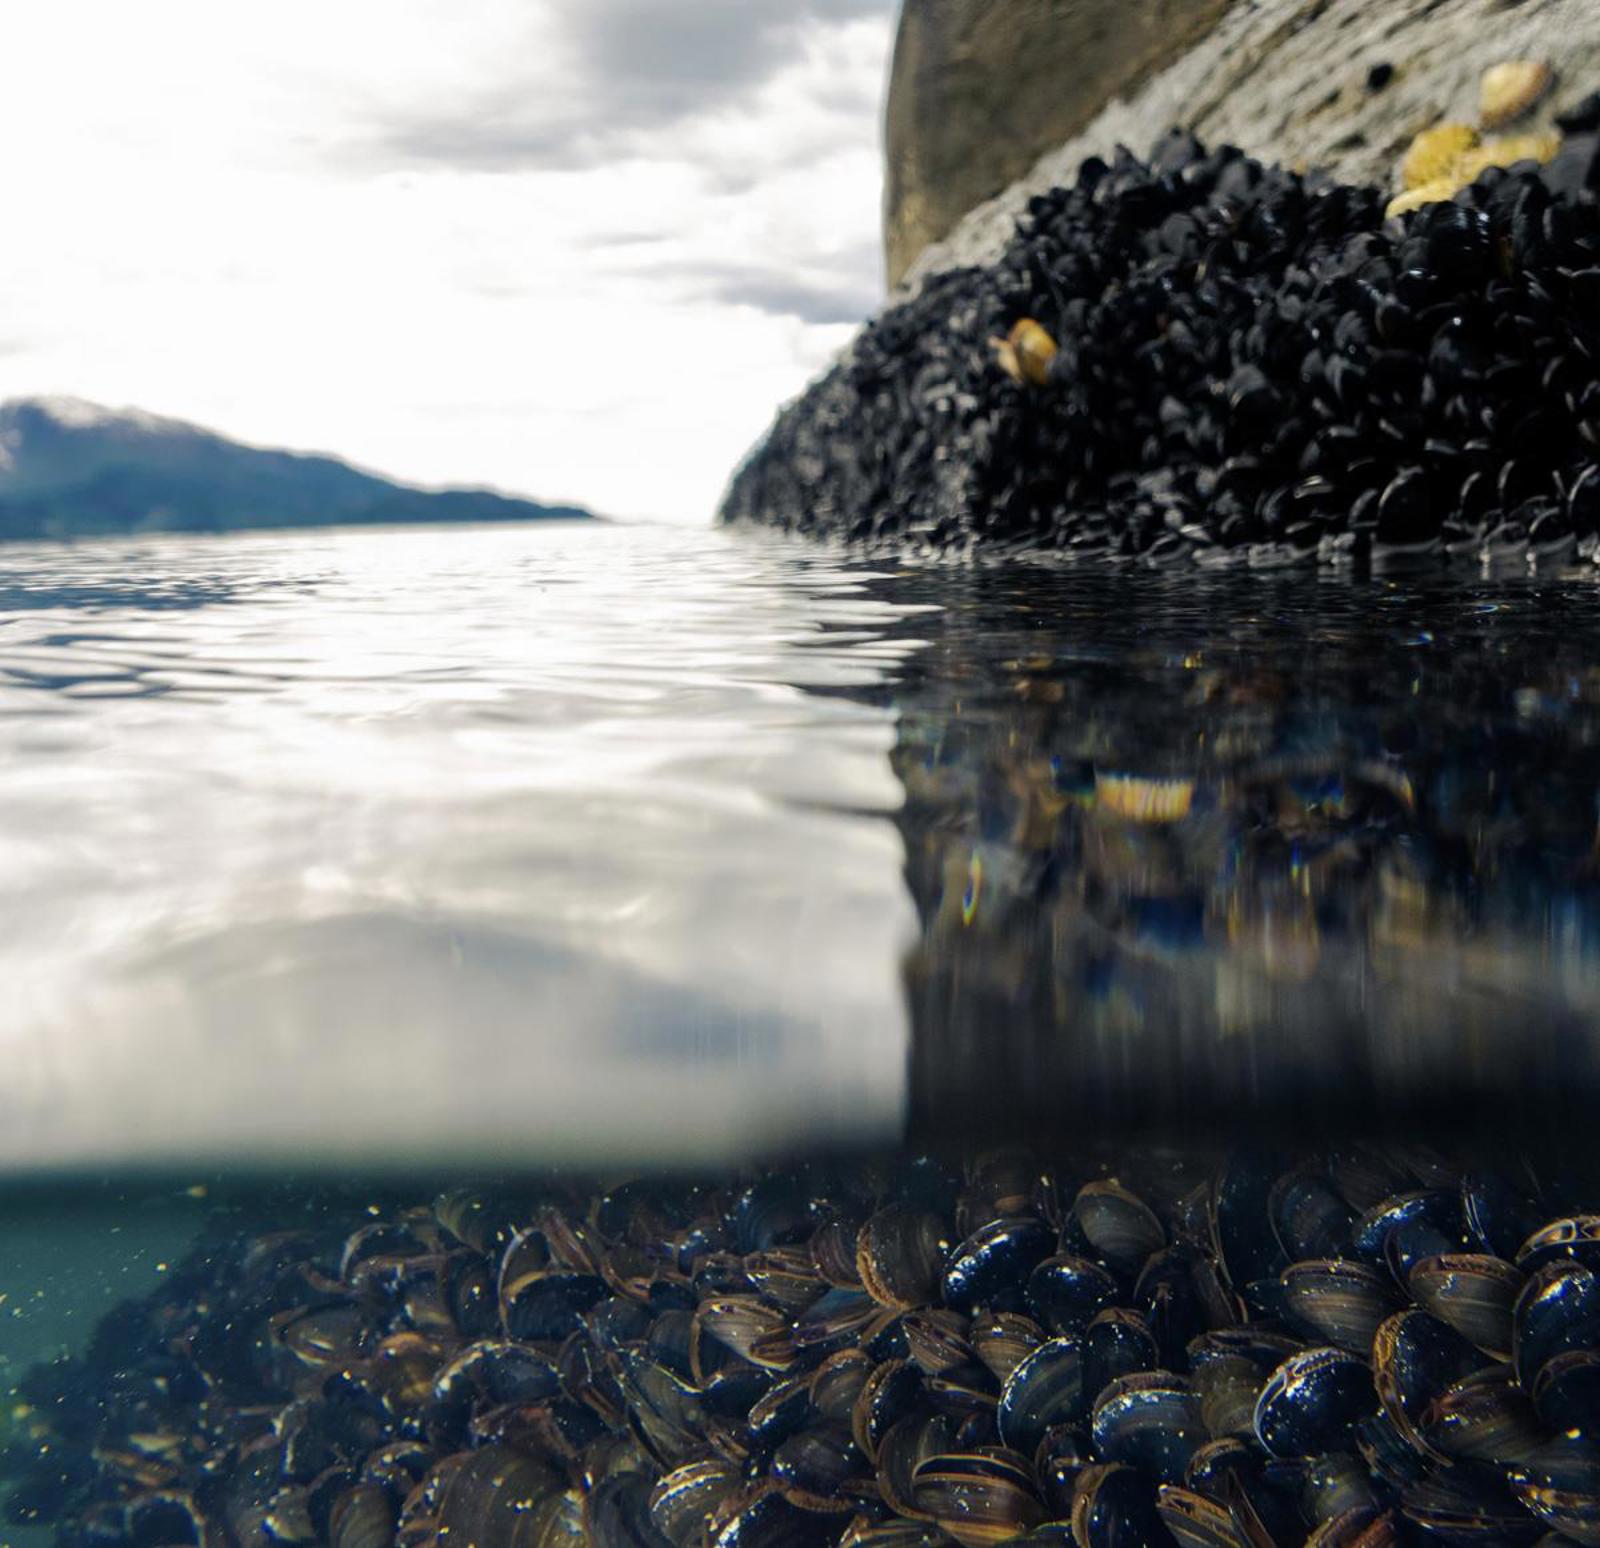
{"x": 1218, "y": 1390}
{"x": 1311, "y": 1402}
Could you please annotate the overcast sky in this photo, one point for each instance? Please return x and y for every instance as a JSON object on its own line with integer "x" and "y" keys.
{"x": 578, "y": 249}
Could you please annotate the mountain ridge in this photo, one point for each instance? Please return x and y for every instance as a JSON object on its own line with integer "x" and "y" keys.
{"x": 72, "y": 468}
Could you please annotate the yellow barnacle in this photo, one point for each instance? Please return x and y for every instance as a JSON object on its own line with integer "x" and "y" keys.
{"x": 1144, "y": 800}
{"x": 1026, "y": 352}
{"x": 1507, "y": 151}
{"x": 1511, "y": 89}
{"x": 1414, "y": 198}
{"x": 1434, "y": 153}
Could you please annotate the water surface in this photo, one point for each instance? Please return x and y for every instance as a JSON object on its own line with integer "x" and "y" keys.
{"x": 610, "y": 844}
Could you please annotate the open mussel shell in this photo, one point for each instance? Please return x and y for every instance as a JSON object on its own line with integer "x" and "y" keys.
{"x": 1474, "y": 1294}
{"x": 1561, "y": 1486}
{"x": 991, "y": 1267}
{"x": 1122, "y": 1229}
{"x": 978, "y": 1497}
{"x": 1343, "y": 1301}
{"x": 1046, "y": 1389}
{"x": 900, "y": 1256}
{"x": 1558, "y": 1310}
{"x": 1151, "y": 1422}
{"x": 1312, "y": 1401}
{"x": 1361, "y": 1527}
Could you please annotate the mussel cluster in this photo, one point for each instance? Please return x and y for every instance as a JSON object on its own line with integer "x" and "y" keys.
{"x": 1359, "y": 1347}
{"x": 1248, "y": 366}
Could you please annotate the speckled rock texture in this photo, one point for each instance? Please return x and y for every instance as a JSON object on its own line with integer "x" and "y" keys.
{"x": 1295, "y": 81}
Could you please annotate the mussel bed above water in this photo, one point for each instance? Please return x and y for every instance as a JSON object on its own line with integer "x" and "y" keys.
{"x": 1252, "y": 366}
{"x": 1355, "y": 1347}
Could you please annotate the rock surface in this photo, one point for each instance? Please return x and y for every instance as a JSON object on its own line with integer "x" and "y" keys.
{"x": 979, "y": 91}
{"x": 1296, "y": 81}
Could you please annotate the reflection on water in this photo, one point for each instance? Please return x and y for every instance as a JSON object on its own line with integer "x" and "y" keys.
{"x": 509, "y": 841}
{"x": 1195, "y": 850}
{"x": 604, "y": 844}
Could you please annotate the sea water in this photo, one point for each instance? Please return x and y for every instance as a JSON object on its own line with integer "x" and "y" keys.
{"x": 341, "y": 866}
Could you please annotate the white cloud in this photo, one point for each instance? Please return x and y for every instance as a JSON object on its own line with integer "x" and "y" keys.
{"x": 222, "y": 214}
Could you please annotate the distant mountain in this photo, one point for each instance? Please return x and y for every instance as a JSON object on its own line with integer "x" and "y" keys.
{"x": 70, "y": 468}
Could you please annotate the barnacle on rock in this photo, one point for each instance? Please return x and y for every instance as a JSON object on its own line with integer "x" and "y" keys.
{"x": 1512, "y": 89}
{"x": 1026, "y": 352}
{"x": 1436, "y": 192}
{"x": 1506, "y": 151}
{"x": 1434, "y": 153}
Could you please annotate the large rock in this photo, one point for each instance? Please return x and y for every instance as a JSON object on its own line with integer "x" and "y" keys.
{"x": 981, "y": 90}
{"x": 1338, "y": 84}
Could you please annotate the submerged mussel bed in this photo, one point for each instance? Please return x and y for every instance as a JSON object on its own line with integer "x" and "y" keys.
{"x": 1253, "y": 366}
{"x": 1362, "y": 1346}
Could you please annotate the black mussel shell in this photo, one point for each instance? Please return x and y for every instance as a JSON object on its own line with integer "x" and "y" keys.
{"x": 1310, "y": 1218}
{"x": 1121, "y": 1228}
{"x": 900, "y": 1256}
{"x": 1468, "y": 1505}
{"x": 1002, "y": 1340}
{"x": 1561, "y": 1486}
{"x": 1151, "y": 1422}
{"x": 1341, "y": 1300}
{"x": 1312, "y": 1402}
{"x": 683, "y": 1500}
{"x": 1046, "y": 1389}
{"x": 889, "y": 1394}
{"x": 979, "y": 1497}
{"x": 992, "y": 1266}
{"x": 1473, "y": 1293}
{"x": 1558, "y": 1310}
{"x": 821, "y": 1468}
{"x": 1415, "y": 1358}
{"x": 1067, "y": 1293}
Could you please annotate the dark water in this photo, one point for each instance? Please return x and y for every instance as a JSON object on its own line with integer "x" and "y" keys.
{"x": 342, "y": 868}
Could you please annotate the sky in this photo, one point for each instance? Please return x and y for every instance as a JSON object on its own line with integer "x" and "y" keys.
{"x": 574, "y": 249}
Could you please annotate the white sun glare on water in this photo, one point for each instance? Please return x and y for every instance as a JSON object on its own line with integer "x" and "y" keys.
{"x": 574, "y": 249}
